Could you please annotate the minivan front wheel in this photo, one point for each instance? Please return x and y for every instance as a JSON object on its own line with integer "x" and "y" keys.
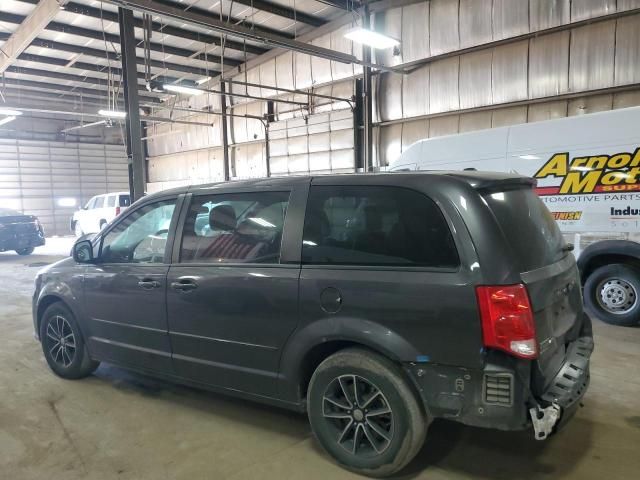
{"x": 611, "y": 293}
{"x": 364, "y": 413}
{"x": 63, "y": 345}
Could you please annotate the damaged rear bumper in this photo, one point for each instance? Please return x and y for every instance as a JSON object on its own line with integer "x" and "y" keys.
{"x": 499, "y": 395}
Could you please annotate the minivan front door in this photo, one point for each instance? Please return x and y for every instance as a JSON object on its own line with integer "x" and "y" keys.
{"x": 231, "y": 302}
{"x": 125, "y": 290}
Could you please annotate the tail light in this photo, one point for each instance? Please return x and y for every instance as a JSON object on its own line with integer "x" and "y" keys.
{"x": 117, "y": 211}
{"x": 507, "y": 320}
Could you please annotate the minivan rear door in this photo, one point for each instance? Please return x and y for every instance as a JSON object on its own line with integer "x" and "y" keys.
{"x": 549, "y": 271}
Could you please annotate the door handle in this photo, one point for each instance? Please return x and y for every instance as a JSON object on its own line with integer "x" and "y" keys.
{"x": 148, "y": 284}
{"x": 184, "y": 285}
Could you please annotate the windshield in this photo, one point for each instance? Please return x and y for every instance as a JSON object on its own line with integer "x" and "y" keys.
{"x": 7, "y": 212}
{"x": 528, "y": 226}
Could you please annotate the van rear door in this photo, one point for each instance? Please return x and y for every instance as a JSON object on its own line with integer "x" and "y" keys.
{"x": 548, "y": 270}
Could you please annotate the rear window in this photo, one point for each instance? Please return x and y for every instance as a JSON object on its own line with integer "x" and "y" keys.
{"x": 124, "y": 200}
{"x": 528, "y": 226}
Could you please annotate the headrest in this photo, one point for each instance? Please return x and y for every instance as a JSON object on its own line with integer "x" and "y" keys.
{"x": 222, "y": 217}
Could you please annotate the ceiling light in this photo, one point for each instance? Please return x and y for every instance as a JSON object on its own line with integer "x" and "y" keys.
{"x": 182, "y": 89}
{"x": 112, "y": 113}
{"x": 8, "y": 111}
{"x": 580, "y": 168}
{"x": 203, "y": 80}
{"x": 529, "y": 157}
{"x": 67, "y": 202}
{"x": 371, "y": 38}
{"x": 7, "y": 120}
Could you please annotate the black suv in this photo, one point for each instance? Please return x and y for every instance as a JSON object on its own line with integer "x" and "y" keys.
{"x": 375, "y": 302}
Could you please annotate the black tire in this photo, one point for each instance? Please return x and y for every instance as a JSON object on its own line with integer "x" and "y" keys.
{"x": 69, "y": 359}
{"x": 405, "y": 427}
{"x": 611, "y": 294}
{"x": 25, "y": 251}
{"x": 102, "y": 224}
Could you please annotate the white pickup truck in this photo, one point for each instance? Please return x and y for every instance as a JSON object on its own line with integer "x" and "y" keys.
{"x": 99, "y": 211}
{"x": 588, "y": 173}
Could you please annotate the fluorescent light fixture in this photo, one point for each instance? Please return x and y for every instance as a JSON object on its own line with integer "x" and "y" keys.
{"x": 67, "y": 202}
{"x": 310, "y": 243}
{"x": 371, "y": 38}
{"x": 498, "y": 196}
{"x": 529, "y": 157}
{"x": 182, "y": 89}
{"x": 112, "y": 113}
{"x": 10, "y": 112}
{"x": 581, "y": 169}
{"x": 203, "y": 80}
{"x": 7, "y": 120}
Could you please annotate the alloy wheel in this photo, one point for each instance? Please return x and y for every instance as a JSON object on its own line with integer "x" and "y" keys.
{"x": 359, "y": 414}
{"x": 61, "y": 342}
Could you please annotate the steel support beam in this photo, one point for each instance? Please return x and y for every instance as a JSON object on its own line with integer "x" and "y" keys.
{"x": 111, "y": 38}
{"x": 109, "y": 16}
{"x": 42, "y": 74}
{"x": 93, "y": 67}
{"x": 29, "y": 29}
{"x": 97, "y": 53}
{"x": 289, "y": 90}
{"x": 225, "y": 137}
{"x": 367, "y": 96}
{"x": 137, "y": 181}
{"x": 282, "y": 11}
{"x": 68, "y": 89}
{"x": 341, "y": 4}
{"x": 151, "y": 7}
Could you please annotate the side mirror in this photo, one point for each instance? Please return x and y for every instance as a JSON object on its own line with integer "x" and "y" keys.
{"x": 83, "y": 251}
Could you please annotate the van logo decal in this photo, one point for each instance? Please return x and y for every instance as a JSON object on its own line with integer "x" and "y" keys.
{"x": 576, "y": 215}
{"x": 591, "y": 174}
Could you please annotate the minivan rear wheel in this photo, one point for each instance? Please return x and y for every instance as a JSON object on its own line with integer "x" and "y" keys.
{"x": 611, "y": 294}
{"x": 63, "y": 345}
{"x": 364, "y": 413}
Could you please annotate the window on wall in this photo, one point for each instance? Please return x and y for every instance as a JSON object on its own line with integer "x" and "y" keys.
{"x": 141, "y": 237}
{"x": 373, "y": 225}
{"x": 234, "y": 228}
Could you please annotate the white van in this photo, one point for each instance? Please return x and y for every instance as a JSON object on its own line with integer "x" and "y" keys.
{"x": 588, "y": 173}
{"x": 99, "y": 211}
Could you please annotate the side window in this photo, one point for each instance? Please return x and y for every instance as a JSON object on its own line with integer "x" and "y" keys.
{"x": 124, "y": 201}
{"x": 234, "y": 228}
{"x": 374, "y": 225}
{"x": 111, "y": 201}
{"x": 140, "y": 237}
{"x": 90, "y": 203}
{"x": 99, "y": 202}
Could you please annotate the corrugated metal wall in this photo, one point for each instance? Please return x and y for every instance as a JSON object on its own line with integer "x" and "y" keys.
{"x": 35, "y": 175}
{"x": 437, "y": 98}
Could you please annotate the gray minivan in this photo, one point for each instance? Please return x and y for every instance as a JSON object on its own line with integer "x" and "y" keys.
{"x": 374, "y": 302}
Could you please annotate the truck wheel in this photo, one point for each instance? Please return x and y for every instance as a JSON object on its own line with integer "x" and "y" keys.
{"x": 25, "y": 251}
{"x": 364, "y": 413}
{"x": 611, "y": 294}
{"x": 102, "y": 224}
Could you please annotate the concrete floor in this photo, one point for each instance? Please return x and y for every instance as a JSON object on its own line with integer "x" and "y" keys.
{"x": 121, "y": 425}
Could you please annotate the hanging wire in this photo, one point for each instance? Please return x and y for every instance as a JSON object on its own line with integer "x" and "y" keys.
{"x": 106, "y": 52}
